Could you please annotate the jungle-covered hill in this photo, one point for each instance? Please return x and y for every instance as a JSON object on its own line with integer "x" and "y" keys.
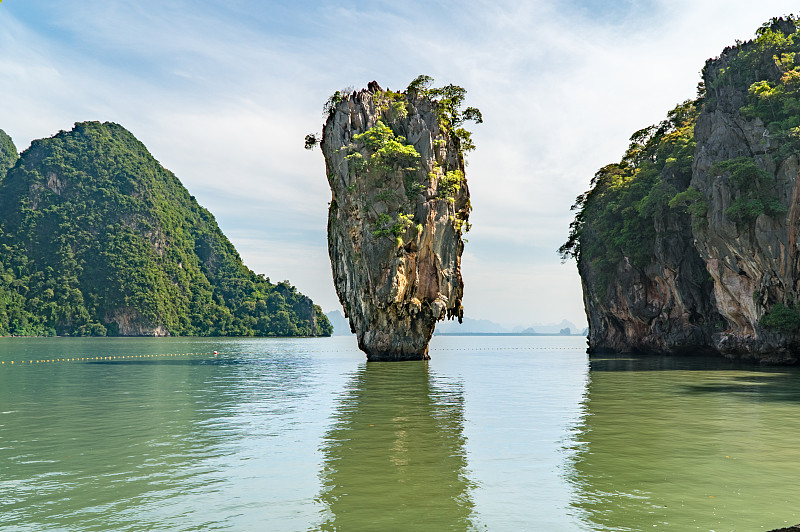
{"x": 97, "y": 238}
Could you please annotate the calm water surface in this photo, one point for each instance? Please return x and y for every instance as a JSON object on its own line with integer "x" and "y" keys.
{"x": 494, "y": 433}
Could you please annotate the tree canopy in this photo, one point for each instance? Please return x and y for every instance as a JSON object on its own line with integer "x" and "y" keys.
{"x": 616, "y": 217}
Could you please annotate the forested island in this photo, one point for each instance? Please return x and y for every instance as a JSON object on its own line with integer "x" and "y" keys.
{"x": 689, "y": 243}
{"x": 97, "y": 238}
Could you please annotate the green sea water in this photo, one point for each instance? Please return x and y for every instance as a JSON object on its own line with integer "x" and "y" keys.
{"x": 494, "y": 433}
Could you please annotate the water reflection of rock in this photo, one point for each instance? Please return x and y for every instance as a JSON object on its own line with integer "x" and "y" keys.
{"x": 394, "y": 458}
{"x": 672, "y": 443}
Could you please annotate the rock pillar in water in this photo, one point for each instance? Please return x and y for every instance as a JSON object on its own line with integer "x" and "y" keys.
{"x": 399, "y": 205}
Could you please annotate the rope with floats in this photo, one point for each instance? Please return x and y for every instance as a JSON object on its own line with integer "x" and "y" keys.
{"x": 100, "y": 358}
{"x": 216, "y": 354}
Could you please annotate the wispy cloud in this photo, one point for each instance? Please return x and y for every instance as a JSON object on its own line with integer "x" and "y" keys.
{"x": 223, "y": 93}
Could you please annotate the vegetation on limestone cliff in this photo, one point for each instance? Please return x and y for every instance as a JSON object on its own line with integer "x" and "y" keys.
{"x": 97, "y": 237}
{"x": 768, "y": 70}
{"x": 8, "y": 152}
{"x": 755, "y": 187}
{"x": 399, "y": 206}
{"x": 616, "y": 218}
{"x": 382, "y": 150}
{"x": 782, "y": 319}
{"x": 450, "y": 100}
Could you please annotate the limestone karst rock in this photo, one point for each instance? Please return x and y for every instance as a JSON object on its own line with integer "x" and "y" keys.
{"x": 690, "y": 243}
{"x": 399, "y": 205}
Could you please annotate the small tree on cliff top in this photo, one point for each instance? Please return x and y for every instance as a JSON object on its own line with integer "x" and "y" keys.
{"x": 449, "y": 100}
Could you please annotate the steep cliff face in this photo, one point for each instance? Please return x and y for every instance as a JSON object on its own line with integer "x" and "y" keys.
{"x": 664, "y": 307}
{"x": 399, "y": 205}
{"x": 747, "y": 174}
{"x": 645, "y": 287}
{"x": 690, "y": 243}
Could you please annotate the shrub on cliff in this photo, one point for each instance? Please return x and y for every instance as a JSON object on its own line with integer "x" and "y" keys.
{"x": 782, "y": 319}
{"x": 616, "y": 218}
{"x": 400, "y": 202}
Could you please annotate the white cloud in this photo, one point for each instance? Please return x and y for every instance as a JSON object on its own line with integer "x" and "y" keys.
{"x": 222, "y": 94}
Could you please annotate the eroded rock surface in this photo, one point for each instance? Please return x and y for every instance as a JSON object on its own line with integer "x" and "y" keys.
{"x": 399, "y": 205}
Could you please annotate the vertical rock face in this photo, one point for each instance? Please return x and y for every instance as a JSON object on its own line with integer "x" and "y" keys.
{"x": 718, "y": 267}
{"x": 666, "y": 307}
{"x": 753, "y": 258}
{"x": 399, "y": 204}
{"x": 645, "y": 285}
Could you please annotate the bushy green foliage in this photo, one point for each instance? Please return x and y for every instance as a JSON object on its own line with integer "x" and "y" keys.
{"x": 744, "y": 173}
{"x": 391, "y": 105}
{"x": 8, "y": 153}
{"x": 380, "y": 155}
{"x": 782, "y": 319}
{"x": 753, "y": 61}
{"x": 616, "y": 217}
{"x": 449, "y": 100}
{"x": 449, "y": 184}
{"x": 93, "y": 228}
{"x": 755, "y": 188}
{"x": 389, "y": 152}
{"x": 311, "y": 141}
{"x": 692, "y": 200}
{"x": 386, "y": 225}
{"x": 331, "y": 103}
{"x": 420, "y": 85}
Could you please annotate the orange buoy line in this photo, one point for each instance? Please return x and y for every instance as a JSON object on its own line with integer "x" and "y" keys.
{"x": 108, "y": 357}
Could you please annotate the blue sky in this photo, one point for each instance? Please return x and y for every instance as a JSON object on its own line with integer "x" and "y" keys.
{"x": 222, "y": 93}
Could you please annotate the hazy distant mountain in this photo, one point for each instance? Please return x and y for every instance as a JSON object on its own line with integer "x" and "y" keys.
{"x": 472, "y": 326}
{"x": 550, "y": 328}
{"x": 341, "y": 327}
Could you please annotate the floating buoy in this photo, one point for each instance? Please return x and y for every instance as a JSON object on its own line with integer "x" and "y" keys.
{"x": 215, "y": 353}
